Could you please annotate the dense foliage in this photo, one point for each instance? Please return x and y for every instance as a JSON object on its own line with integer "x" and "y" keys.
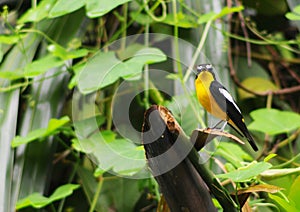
{"x": 77, "y": 76}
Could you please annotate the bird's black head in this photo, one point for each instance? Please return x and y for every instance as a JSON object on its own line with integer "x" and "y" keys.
{"x": 205, "y": 67}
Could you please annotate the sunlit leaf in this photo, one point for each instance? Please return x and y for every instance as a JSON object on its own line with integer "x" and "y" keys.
{"x": 246, "y": 173}
{"x": 37, "y": 200}
{"x": 212, "y": 15}
{"x": 64, "y": 54}
{"x": 63, "y": 7}
{"x": 12, "y": 75}
{"x": 57, "y": 50}
{"x": 183, "y": 20}
{"x": 256, "y": 84}
{"x": 228, "y": 10}
{"x": 287, "y": 206}
{"x": 53, "y": 125}
{"x": 270, "y": 156}
{"x": 63, "y": 191}
{"x": 295, "y": 15}
{"x": 206, "y": 17}
{"x": 11, "y": 39}
{"x": 96, "y": 8}
{"x": 277, "y": 173}
{"x": 273, "y": 121}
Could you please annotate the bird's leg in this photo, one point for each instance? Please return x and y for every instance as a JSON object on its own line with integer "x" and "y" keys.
{"x": 222, "y": 128}
{"x": 224, "y": 125}
{"x": 214, "y": 127}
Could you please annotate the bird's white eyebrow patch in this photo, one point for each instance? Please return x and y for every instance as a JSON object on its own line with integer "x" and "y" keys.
{"x": 228, "y": 97}
{"x": 209, "y": 66}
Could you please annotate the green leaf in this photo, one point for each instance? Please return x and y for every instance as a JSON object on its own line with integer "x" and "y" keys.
{"x": 97, "y": 8}
{"x": 42, "y": 65}
{"x": 38, "y": 13}
{"x": 255, "y": 70}
{"x": 141, "y": 18}
{"x": 297, "y": 9}
{"x": 104, "y": 68}
{"x": 53, "y": 125}
{"x": 206, "y": 17}
{"x": 295, "y": 15}
{"x": 277, "y": 173}
{"x": 57, "y": 50}
{"x": 12, "y": 75}
{"x": 273, "y": 121}
{"x": 86, "y": 127}
{"x": 119, "y": 155}
{"x": 294, "y": 194}
{"x": 213, "y": 16}
{"x": 1, "y": 53}
{"x": 256, "y": 84}
{"x": 63, "y": 7}
{"x": 183, "y": 20}
{"x": 225, "y": 150}
{"x": 246, "y": 173}
{"x": 77, "y": 68}
{"x": 63, "y": 191}
{"x": 95, "y": 74}
{"x": 62, "y": 53}
{"x": 34, "y": 68}
{"x": 269, "y": 157}
{"x": 11, "y": 39}
{"x": 283, "y": 203}
{"x": 228, "y": 10}
{"x": 149, "y": 56}
{"x": 36, "y": 200}
{"x": 292, "y": 16}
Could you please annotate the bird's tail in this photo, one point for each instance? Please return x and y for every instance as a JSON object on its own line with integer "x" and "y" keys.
{"x": 251, "y": 140}
{"x": 242, "y": 130}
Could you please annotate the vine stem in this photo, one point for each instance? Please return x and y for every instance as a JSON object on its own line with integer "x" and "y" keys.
{"x": 198, "y": 50}
{"x": 96, "y": 196}
{"x": 146, "y": 70}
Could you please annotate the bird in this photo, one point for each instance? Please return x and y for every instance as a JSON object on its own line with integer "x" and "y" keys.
{"x": 216, "y": 100}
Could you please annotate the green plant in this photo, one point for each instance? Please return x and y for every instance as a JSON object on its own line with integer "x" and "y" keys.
{"x": 68, "y": 67}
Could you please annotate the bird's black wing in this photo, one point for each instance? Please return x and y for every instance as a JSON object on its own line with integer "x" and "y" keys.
{"x": 225, "y": 101}
{"x": 228, "y": 105}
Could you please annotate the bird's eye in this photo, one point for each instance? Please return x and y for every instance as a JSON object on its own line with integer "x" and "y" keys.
{"x": 200, "y": 68}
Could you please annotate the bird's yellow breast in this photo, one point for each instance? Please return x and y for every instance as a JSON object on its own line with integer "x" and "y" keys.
{"x": 202, "y": 84}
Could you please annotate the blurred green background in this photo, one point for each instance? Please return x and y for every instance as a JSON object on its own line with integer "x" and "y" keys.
{"x": 69, "y": 68}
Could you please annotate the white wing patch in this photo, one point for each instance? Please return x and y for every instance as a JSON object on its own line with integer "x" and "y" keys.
{"x": 228, "y": 97}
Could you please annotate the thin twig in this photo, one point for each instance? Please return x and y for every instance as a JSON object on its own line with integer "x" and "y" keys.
{"x": 257, "y": 55}
{"x": 265, "y": 93}
{"x": 245, "y": 32}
